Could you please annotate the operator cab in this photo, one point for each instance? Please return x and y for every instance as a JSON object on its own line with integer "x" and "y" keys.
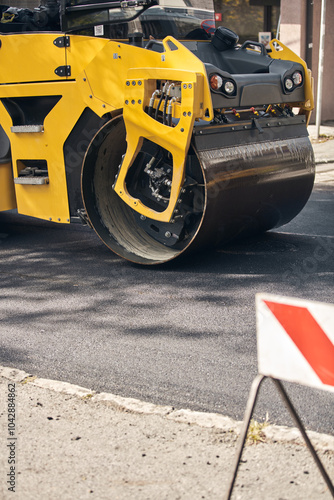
{"x": 115, "y": 20}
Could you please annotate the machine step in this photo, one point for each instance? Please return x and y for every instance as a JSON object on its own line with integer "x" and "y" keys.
{"x": 32, "y": 180}
{"x": 27, "y": 129}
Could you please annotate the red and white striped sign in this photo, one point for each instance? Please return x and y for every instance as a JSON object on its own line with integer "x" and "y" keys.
{"x": 296, "y": 340}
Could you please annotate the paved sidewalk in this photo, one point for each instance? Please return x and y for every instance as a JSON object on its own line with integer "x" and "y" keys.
{"x": 324, "y": 153}
{"x": 74, "y": 444}
{"x": 326, "y": 131}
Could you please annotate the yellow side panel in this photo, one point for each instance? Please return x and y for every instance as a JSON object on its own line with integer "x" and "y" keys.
{"x": 30, "y": 57}
{"x": 49, "y": 201}
{"x": 7, "y": 191}
{"x": 82, "y": 51}
{"x": 108, "y": 70}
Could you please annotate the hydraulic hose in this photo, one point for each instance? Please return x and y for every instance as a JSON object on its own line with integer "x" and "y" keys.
{"x": 172, "y": 85}
{"x": 163, "y": 93}
{"x": 150, "y": 107}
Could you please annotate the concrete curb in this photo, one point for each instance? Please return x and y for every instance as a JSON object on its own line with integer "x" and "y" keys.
{"x": 274, "y": 433}
{"x": 324, "y": 161}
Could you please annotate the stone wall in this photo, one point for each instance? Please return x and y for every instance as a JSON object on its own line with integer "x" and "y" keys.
{"x": 293, "y": 34}
{"x": 327, "y": 108}
{"x": 293, "y": 21}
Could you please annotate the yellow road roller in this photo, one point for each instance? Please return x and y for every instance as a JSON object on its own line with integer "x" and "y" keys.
{"x": 141, "y": 119}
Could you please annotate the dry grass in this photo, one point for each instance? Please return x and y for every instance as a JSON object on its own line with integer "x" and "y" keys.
{"x": 255, "y": 432}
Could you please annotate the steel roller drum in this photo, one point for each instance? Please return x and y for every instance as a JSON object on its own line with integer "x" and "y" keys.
{"x": 241, "y": 180}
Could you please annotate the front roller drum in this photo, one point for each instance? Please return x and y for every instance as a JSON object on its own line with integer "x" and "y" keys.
{"x": 237, "y": 183}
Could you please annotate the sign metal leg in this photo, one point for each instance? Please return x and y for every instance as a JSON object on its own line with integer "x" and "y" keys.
{"x": 242, "y": 438}
{"x": 255, "y": 388}
{"x": 300, "y": 426}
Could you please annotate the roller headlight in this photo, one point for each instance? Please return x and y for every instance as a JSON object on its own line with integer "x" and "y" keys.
{"x": 297, "y": 78}
{"x": 216, "y": 82}
{"x": 229, "y": 87}
{"x": 288, "y": 84}
{"x": 222, "y": 85}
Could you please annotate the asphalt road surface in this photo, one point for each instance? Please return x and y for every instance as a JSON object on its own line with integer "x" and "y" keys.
{"x": 181, "y": 334}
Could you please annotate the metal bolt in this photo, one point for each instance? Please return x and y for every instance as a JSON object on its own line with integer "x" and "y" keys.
{"x": 190, "y": 86}
{"x": 50, "y": 218}
{"x": 168, "y": 234}
{"x": 84, "y": 79}
{"x": 133, "y": 101}
{"x": 142, "y": 217}
{"x": 184, "y": 85}
{"x": 127, "y": 84}
{"x": 103, "y": 105}
{"x": 91, "y": 97}
{"x": 59, "y": 219}
{"x": 182, "y": 129}
{"x": 133, "y": 83}
{"x": 126, "y": 102}
{"x": 139, "y": 83}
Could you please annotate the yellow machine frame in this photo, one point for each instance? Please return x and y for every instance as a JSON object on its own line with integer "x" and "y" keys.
{"x": 108, "y": 77}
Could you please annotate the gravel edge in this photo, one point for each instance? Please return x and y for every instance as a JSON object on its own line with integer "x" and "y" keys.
{"x": 274, "y": 433}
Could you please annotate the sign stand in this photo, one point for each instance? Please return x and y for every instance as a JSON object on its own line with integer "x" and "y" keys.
{"x": 247, "y": 418}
